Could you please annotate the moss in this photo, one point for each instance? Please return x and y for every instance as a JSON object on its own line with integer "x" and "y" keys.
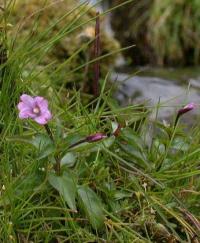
{"x": 58, "y": 27}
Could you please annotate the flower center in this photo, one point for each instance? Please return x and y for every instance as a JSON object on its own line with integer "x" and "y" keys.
{"x": 36, "y": 110}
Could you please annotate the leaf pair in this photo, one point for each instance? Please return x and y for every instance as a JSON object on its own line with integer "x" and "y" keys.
{"x": 88, "y": 200}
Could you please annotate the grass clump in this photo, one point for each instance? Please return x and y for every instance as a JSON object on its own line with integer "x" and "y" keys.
{"x": 175, "y": 36}
{"x": 115, "y": 184}
{"x": 164, "y": 32}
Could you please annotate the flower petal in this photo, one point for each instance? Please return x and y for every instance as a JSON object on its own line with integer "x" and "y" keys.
{"x": 41, "y": 120}
{"x": 24, "y": 114}
{"x": 41, "y": 103}
{"x": 22, "y": 106}
{"x": 25, "y": 111}
{"x": 27, "y": 99}
{"x": 47, "y": 115}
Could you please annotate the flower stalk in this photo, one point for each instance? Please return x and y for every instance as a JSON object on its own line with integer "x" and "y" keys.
{"x": 57, "y": 166}
{"x": 48, "y": 130}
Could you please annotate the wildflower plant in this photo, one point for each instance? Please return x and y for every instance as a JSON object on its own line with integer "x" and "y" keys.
{"x": 36, "y": 108}
{"x": 79, "y": 171}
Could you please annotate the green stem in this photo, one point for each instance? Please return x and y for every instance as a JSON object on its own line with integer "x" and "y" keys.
{"x": 57, "y": 165}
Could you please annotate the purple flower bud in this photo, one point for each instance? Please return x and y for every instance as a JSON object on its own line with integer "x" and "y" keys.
{"x": 95, "y": 137}
{"x": 186, "y": 108}
{"x": 35, "y": 108}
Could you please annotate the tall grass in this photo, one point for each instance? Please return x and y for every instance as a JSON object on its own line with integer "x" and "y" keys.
{"x": 175, "y": 33}
{"x": 165, "y": 32}
{"x": 125, "y": 188}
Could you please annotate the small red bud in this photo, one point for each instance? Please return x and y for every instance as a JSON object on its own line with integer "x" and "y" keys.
{"x": 186, "y": 108}
{"x": 95, "y": 137}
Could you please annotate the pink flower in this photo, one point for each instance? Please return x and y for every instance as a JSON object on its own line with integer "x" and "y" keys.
{"x": 186, "y": 108}
{"x": 35, "y": 108}
{"x": 95, "y": 137}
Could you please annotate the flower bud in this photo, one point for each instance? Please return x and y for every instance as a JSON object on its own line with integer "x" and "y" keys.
{"x": 95, "y": 137}
{"x": 186, "y": 108}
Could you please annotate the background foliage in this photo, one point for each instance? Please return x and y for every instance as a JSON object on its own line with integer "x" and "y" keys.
{"x": 165, "y": 32}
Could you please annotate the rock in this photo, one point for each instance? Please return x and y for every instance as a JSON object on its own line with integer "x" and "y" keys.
{"x": 168, "y": 94}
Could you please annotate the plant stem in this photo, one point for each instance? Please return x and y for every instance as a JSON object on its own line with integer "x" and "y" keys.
{"x": 77, "y": 143}
{"x": 176, "y": 120}
{"x": 48, "y": 130}
{"x": 57, "y": 165}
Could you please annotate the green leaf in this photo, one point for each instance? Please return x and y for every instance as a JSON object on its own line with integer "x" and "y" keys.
{"x": 68, "y": 159}
{"x": 84, "y": 147}
{"x": 92, "y": 206}
{"x": 41, "y": 142}
{"x": 132, "y": 138}
{"x": 95, "y": 146}
{"x": 44, "y": 144}
{"x": 118, "y": 195}
{"x": 21, "y": 139}
{"x": 180, "y": 144}
{"x": 159, "y": 147}
{"x": 138, "y": 156}
{"x": 105, "y": 143}
{"x": 66, "y": 186}
{"x": 114, "y": 126}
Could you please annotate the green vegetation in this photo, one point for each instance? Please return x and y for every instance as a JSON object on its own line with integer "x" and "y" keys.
{"x": 175, "y": 36}
{"x": 165, "y": 32}
{"x": 58, "y": 30}
{"x": 140, "y": 184}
